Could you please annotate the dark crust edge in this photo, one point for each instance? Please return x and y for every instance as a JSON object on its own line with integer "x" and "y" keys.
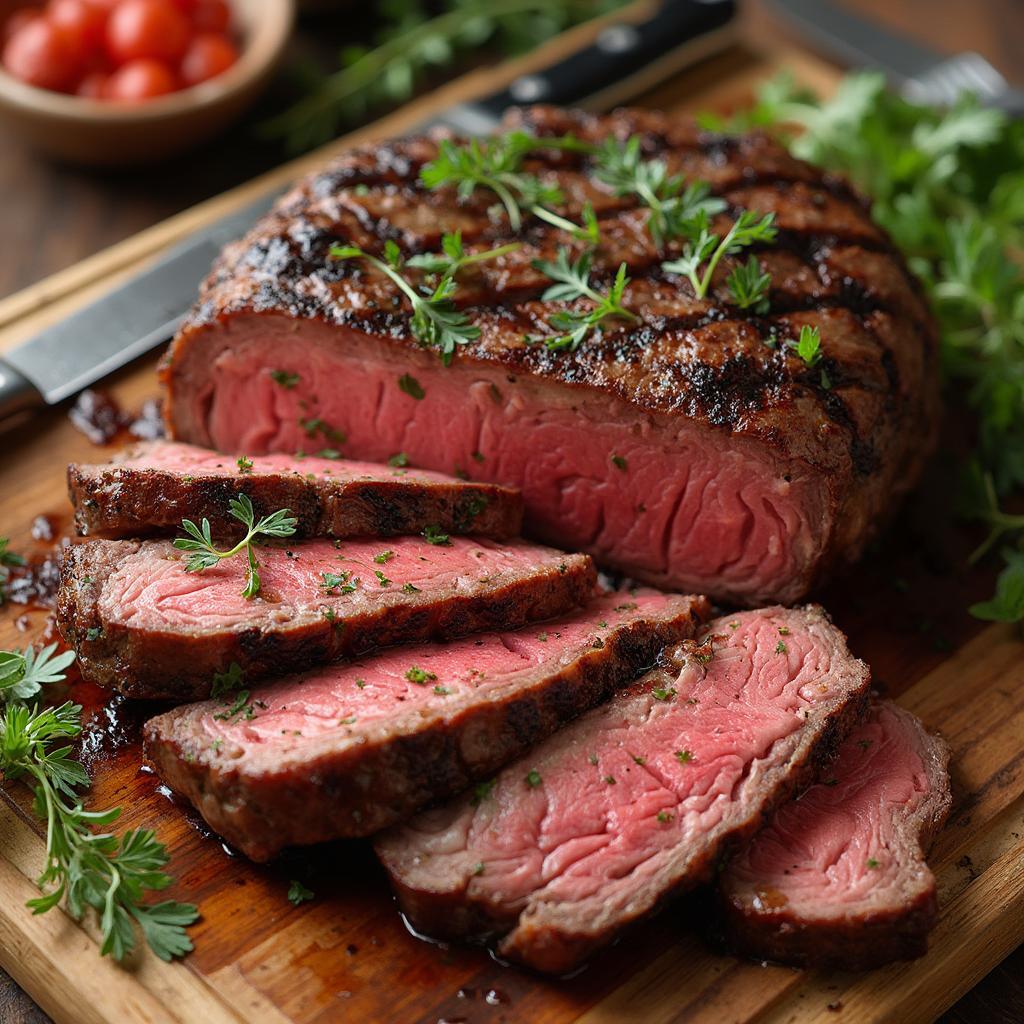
{"x": 857, "y": 942}
{"x": 180, "y": 666}
{"x": 558, "y": 952}
{"x": 363, "y": 789}
{"x": 121, "y": 501}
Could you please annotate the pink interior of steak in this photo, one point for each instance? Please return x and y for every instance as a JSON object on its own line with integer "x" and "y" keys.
{"x": 190, "y": 460}
{"x": 411, "y": 683}
{"x": 675, "y": 503}
{"x": 625, "y": 797}
{"x": 843, "y": 848}
{"x": 152, "y": 589}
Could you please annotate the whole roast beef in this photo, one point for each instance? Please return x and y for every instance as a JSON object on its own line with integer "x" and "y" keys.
{"x": 600, "y": 824}
{"x": 350, "y": 749}
{"x": 151, "y": 487}
{"x": 697, "y": 448}
{"x": 142, "y": 624}
{"x": 838, "y": 878}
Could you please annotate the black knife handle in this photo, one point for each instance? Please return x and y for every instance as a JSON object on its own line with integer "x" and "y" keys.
{"x": 621, "y": 50}
{"x": 17, "y": 393}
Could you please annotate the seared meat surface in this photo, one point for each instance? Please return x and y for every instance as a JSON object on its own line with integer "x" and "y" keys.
{"x": 694, "y": 449}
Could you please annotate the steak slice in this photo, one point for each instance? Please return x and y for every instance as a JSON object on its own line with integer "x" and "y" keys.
{"x": 694, "y": 450}
{"x": 838, "y": 878}
{"x": 350, "y": 749}
{"x": 151, "y": 487}
{"x": 143, "y": 625}
{"x": 634, "y": 801}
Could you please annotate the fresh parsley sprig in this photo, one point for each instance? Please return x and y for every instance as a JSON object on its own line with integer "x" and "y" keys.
{"x": 205, "y": 554}
{"x": 572, "y": 282}
{"x": 673, "y": 204}
{"x": 749, "y": 284}
{"x": 83, "y": 867}
{"x": 496, "y": 164}
{"x": 706, "y": 249}
{"x": 436, "y": 322}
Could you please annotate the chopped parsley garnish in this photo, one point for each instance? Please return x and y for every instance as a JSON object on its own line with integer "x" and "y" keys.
{"x": 477, "y": 456}
{"x": 435, "y": 535}
{"x": 381, "y": 578}
{"x": 478, "y": 868}
{"x": 241, "y": 706}
{"x": 639, "y": 760}
{"x": 781, "y": 648}
{"x": 592, "y": 758}
{"x": 442, "y": 691}
{"x": 298, "y": 893}
{"x": 337, "y": 582}
{"x": 684, "y": 756}
{"x": 399, "y": 460}
{"x": 610, "y": 780}
{"x": 419, "y": 676}
{"x": 619, "y": 462}
{"x": 383, "y": 557}
{"x": 483, "y": 790}
{"x": 872, "y": 863}
{"x": 285, "y": 379}
{"x": 329, "y": 453}
{"x": 204, "y": 554}
{"x": 409, "y": 588}
{"x": 664, "y": 817}
{"x": 361, "y": 683}
{"x": 533, "y": 779}
{"x": 226, "y": 682}
{"x": 244, "y": 465}
{"x": 94, "y": 632}
{"x": 663, "y": 694}
{"x": 411, "y": 386}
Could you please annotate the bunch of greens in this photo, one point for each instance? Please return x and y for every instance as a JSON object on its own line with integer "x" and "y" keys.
{"x": 83, "y": 867}
{"x": 949, "y": 187}
{"x": 414, "y": 38}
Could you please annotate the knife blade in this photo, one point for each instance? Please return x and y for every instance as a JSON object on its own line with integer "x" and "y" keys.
{"x": 146, "y": 310}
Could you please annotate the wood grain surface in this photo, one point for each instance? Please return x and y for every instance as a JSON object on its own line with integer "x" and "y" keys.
{"x": 347, "y": 956}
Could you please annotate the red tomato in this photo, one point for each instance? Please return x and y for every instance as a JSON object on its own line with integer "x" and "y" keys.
{"x": 140, "y": 80}
{"x": 19, "y": 19}
{"x": 207, "y": 56}
{"x": 42, "y": 55}
{"x": 211, "y": 16}
{"x": 93, "y": 86}
{"x": 84, "y": 22}
{"x": 139, "y": 29}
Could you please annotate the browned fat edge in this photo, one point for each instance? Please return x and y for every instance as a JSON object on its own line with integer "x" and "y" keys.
{"x": 116, "y": 501}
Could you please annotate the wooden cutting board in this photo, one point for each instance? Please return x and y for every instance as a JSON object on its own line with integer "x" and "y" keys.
{"x": 346, "y": 955}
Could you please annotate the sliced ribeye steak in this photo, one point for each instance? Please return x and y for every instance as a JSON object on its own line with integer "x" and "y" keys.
{"x": 694, "y": 448}
{"x": 151, "y": 487}
{"x": 144, "y": 626}
{"x": 634, "y": 801}
{"x": 838, "y": 878}
{"x": 350, "y": 749}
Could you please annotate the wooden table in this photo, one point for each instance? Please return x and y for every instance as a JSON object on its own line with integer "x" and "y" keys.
{"x": 54, "y": 216}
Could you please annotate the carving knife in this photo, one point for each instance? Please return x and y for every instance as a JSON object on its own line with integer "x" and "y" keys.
{"x": 146, "y": 310}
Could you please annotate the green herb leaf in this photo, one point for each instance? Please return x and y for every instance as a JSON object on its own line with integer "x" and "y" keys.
{"x": 298, "y": 893}
{"x": 435, "y": 535}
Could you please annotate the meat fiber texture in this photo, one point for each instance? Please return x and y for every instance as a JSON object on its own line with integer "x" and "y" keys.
{"x": 694, "y": 450}
{"x": 636, "y": 800}
{"x": 143, "y": 625}
{"x": 838, "y": 878}
{"x": 152, "y": 486}
{"x": 349, "y": 749}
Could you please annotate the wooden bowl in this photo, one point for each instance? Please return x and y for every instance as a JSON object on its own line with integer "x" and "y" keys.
{"x": 99, "y": 133}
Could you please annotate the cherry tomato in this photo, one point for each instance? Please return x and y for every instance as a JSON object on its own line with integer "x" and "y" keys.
{"x": 139, "y": 80}
{"x": 139, "y": 29}
{"x": 211, "y": 16}
{"x": 19, "y": 19}
{"x": 93, "y": 86}
{"x": 83, "y": 21}
{"x": 207, "y": 56}
{"x": 42, "y": 55}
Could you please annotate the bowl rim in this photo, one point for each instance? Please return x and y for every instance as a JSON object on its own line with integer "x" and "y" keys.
{"x": 266, "y": 25}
